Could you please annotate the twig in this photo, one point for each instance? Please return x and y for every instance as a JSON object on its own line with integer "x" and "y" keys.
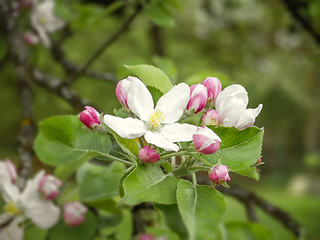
{"x": 293, "y": 8}
{"x": 20, "y": 56}
{"x": 55, "y": 85}
{"x": 107, "y": 43}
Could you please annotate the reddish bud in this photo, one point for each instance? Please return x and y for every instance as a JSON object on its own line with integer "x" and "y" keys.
{"x": 206, "y": 141}
{"x": 214, "y": 87}
{"x": 198, "y": 98}
{"x": 90, "y": 117}
{"x": 148, "y": 155}
{"x": 211, "y": 118}
{"x": 49, "y": 187}
{"x": 219, "y": 174}
{"x": 73, "y": 213}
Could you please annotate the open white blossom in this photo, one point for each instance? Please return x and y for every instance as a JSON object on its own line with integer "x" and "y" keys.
{"x": 157, "y": 125}
{"x": 28, "y": 204}
{"x": 44, "y": 21}
{"x": 231, "y": 105}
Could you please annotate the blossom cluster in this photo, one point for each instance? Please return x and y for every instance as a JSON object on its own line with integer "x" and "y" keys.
{"x": 161, "y": 126}
{"x": 35, "y": 202}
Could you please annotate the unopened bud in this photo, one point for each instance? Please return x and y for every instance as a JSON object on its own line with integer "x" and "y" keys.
{"x": 31, "y": 38}
{"x": 148, "y": 155}
{"x": 214, "y": 87}
{"x": 90, "y": 117}
{"x": 49, "y": 187}
{"x": 219, "y": 174}
{"x": 73, "y": 213}
{"x": 206, "y": 141}
{"x": 122, "y": 90}
{"x": 211, "y": 118}
{"x": 198, "y": 98}
{"x": 8, "y": 172}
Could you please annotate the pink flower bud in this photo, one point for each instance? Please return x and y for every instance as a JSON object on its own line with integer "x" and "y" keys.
{"x": 73, "y": 213}
{"x": 198, "y": 98}
{"x": 206, "y": 141}
{"x": 145, "y": 236}
{"x": 214, "y": 87}
{"x": 211, "y": 118}
{"x": 49, "y": 187}
{"x": 259, "y": 161}
{"x": 31, "y": 38}
{"x": 8, "y": 172}
{"x": 219, "y": 174}
{"x": 148, "y": 155}
{"x": 122, "y": 90}
{"x": 90, "y": 117}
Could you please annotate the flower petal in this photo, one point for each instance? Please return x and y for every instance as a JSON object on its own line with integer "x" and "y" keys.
{"x": 10, "y": 192}
{"x": 158, "y": 140}
{"x": 12, "y": 231}
{"x": 236, "y": 91}
{"x": 248, "y": 117}
{"x": 139, "y": 99}
{"x": 177, "y": 132}
{"x": 125, "y": 127}
{"x": 173, "y": 103}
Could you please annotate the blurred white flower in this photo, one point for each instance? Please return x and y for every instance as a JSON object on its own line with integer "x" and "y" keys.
{"x": 44, "y": 21}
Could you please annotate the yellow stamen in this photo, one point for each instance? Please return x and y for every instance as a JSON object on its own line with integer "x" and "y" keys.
{"x": 11, "y": 209}
{"x": 156, "y": 119}
{"x": 42, "y": 20}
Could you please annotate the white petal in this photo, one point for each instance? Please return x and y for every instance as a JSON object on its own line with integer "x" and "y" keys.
{"x": 42, "y": 212}
{"x": 230, "y": 110}
{"x": 158, "y": 140}
{"x": 10, "y": 192}
{"x": 4, "y": 217}
{"x": 139, "y": 99}
{"x": 234, "y": 90}
{"x": 125, "y": 127}
{"x": 248, "y": 117}
{"x": 4, "y": 173}
{"x": 177, "y": 132}
{"x": 173, "y": 103}
{"x": 31, "y": 190}
{"x": 13, "y": 231}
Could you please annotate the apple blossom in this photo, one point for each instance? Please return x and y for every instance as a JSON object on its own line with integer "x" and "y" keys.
{"x": 28, "y": 204}
{"x": 211, "y": 117}
{"x": 8, "y": 172}
{"x": 231, "y": 105}
{"x": 198, "y": 98}
{"x": 148, "y": 155}
{"x": 49, "y": 187}
{"x": 157, "y": 125}
{"x": 219, "y": 174}
{"x": 73, "y": 213}
{"x": 206, "y": 141}
{"x": 90, "y": 117}
{"x": 122, "y": 90}
{"x": 44, "y": 21}
{"x": 214, "y": 87}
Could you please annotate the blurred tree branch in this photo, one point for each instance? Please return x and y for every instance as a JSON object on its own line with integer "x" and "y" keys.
{"x": 293, "y": 6}
{"x": 124, "y": 27}
{"x": 20, "y": 57}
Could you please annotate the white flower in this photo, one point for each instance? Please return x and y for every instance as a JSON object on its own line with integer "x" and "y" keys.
{"x": 231, "y": 105}
{"x": 44, "y": 21}
{"x": 157, "y": 125}
{"x": 28, "y": 204}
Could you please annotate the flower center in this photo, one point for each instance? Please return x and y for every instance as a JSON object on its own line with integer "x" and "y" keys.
{"x": 42, "y": 20}
{"x": 11, "y": 209}
{"x": 156, "y": 119}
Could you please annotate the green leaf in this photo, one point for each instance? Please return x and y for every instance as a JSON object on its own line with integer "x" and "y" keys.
{"x": 247, "y": 230}
{"x": 148, "y": 183}
{"x": 201, "y": 209}
{"x": 239, "y": 149}
{"x": 159, "y": 14}
{"x": 251, "y": 172}
{"x": 173, "y": 219}
{"x": 84, "y": 231}
{"x": 35, "y": 233}
{"x": 151, "y": 76}
{"x": 100, "y": 184}
{"x": 64, "y": 139}
{"x": 124, "y": 229}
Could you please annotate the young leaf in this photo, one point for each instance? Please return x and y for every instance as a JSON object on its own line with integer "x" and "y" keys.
{"x": 251, "y": 172}
{"x": 64, "y": 139}
{"x": 149, "y": 183}
{"x": 151, "y": 76}
{"x": 201, "y": 209}
{"x": 239, "y": 149}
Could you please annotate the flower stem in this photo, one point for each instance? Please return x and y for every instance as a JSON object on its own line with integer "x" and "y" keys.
{"x": 194, "y": 179}
{"x": 113, "y": 158}
{"x": 177, "y": 154}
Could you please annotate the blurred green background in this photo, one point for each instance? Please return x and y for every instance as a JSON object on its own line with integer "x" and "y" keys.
{"x": 253, "y": 43}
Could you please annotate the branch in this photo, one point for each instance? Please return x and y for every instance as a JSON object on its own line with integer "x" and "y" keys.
{"x": 246, "y": 196}
{"x": 20, "y": 56}
{"x": 106, "y": 44}
{"x": 293, "y": 8}
{"x": 60, "y": 88}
